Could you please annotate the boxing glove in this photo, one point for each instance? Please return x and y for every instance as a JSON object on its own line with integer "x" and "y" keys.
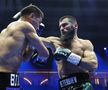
{"x": 66, "y": 54}
{"x": 38, "y": 60}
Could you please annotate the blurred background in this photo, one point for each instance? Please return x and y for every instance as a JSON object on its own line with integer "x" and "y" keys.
{"x": 92, "y": 17}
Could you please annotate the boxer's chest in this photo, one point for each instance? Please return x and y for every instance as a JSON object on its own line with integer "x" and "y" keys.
{"x": 77, "y": 48}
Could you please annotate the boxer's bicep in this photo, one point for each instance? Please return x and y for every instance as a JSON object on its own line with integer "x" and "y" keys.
{"x": 48, "y": 42}
{"x": 89, "y": 57}
{"x": 55, "y": 42}
{"x": 89, "y": 52}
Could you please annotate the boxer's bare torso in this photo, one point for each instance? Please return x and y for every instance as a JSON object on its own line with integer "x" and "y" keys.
{"x": 13, "y": 42}
{"x": 80, "y": 47}
{"x": 12, "y": 45}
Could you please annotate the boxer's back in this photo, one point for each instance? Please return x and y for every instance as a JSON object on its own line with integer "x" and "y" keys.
{"x": 12, "y": 43}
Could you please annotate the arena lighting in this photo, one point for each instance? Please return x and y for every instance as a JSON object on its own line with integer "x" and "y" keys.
{"x": 105, "y": 48}
{"x": 105, "y": 82}
{"x": 106, "y": 53}
{"x": 44, "y": 81}
{"x": 97, "y": 81}
{"x": 26, "y": 79}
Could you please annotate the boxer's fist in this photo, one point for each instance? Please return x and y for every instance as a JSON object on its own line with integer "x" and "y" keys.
{"x": 38, "y": 60}
{"x": 61, "y": 54}
{"x": 66, "y": 54}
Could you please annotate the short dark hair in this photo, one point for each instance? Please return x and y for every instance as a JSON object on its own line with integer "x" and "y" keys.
{"x": 72, "y": 19}
{"x": 32, "y": 9}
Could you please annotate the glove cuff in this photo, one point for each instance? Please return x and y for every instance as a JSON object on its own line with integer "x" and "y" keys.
{"x": 74, "y": 59}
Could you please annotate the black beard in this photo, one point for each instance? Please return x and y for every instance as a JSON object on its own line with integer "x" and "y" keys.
{"x": 67, "y": 38}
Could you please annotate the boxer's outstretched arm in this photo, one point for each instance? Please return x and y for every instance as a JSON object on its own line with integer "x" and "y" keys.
{"x": 51, "y": 42}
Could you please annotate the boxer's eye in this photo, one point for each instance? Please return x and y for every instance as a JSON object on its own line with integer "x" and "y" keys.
{"x": 64, "y": 24}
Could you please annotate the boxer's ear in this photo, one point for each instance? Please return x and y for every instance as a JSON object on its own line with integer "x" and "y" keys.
{"x": 32, "y": 15}
{"x": 75, "y": 26}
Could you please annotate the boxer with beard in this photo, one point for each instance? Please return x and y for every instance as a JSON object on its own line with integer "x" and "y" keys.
{"x": 66, "y": 38}
{"x": 75, "y": 57}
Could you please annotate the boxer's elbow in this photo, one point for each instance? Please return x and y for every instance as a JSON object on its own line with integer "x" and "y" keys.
{"x": 44, "y": 54}
{"x": 93, "y": 66}
{"x": 90, "y": 66}
{"x": 47, "y": 54}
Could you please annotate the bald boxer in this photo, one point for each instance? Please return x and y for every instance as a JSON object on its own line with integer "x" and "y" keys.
{"x": 19, "y": 38}
{"x": 75, "y": 57}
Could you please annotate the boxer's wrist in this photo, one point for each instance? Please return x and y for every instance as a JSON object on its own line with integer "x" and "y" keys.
{"x": 39, "y": 60}
{"x": 74, "y": 59}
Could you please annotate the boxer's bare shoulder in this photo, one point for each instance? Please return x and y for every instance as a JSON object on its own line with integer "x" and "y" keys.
{"x": 87, "y": 44}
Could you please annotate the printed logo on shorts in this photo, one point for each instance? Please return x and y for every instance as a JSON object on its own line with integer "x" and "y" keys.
{"x": 14, "y": 80}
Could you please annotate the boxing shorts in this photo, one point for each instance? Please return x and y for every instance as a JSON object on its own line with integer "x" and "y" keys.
{"x": 76, "y": 81}
{"x": 9, "y": 80}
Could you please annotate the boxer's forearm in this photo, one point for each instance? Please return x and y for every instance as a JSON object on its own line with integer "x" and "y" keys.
{"x": 89, "y": 64}
{"x": 27, "y": 54}
{"x": 47, "y": 42}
